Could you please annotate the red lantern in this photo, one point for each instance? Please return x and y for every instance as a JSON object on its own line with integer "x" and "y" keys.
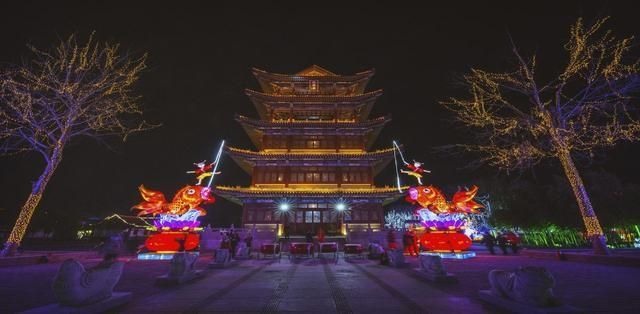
{"x": 168, "y": 241}
{"x": 445, "y": 241}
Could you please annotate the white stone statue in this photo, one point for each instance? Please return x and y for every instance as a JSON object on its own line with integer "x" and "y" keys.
{"x": 432, "y": 264}
{"x": 242, "y": 251}
{"x": 222, "y": 256}
{"x": 375, "y": 250}
{"x": 75, "y": 286}
{"x": 396, "y": 257}
{"x": 182, "y": 264}
{"x": 527, "y": 285}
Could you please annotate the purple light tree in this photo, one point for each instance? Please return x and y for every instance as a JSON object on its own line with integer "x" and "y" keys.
{"x": 519, "y": 119}
{"x": 75, "y": 89}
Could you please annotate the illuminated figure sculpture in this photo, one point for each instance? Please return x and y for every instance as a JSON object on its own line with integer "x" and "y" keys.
{"x": 433, "y": 199}
{"x": 177, "y": 219}
{"x": 415, "y": 170}
{"x": 444, "y": 220}
{"x": 176, "y": 222}
{"x": 203, "y": 171}
{"x": 189, "y": 197}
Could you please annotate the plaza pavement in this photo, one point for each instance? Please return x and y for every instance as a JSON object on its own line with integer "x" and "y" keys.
{"x": 320, "y": 286}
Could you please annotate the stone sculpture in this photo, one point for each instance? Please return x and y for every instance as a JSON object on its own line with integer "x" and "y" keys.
{"x": 242, "y": 251}
{"x": 527, "y": 285}
{"x": 221, "y": 259}
{"x": 432, "y": 265}
{"x": 75, "y": 286}
{"x": 375, "y": 250}
{"x": 182, "y": 264}
{"x": 181, "y": 271}
{"x": 396, "y": 258}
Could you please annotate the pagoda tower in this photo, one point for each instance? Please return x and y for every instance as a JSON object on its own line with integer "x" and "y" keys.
{"x": 312, "y": 168}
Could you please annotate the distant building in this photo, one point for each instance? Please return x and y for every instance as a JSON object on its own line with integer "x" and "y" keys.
{"x": 130, "y": 226}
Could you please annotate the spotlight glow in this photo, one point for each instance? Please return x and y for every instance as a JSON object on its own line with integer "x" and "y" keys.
{"x": 341, "y": 206}
{"x": 283, "y": 207}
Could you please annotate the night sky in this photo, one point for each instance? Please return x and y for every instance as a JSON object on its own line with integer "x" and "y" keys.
{"x": 200, "y": 60}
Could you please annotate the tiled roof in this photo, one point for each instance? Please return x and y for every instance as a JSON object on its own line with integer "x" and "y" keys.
{"x": 304, "y": 124}
{"x": 381, "y": 191}
{"x": 314, "y": 97}
{"x": 323, "y": 155}
{"x": 295, "y": 77}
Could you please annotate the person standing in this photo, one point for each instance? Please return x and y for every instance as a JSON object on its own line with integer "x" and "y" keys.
{"x": 391, "y": 239}
{"x": 408, "y": 243}
{"x": 489, "y": 241}
{"x": 513, "y": 241}
{"x": 285, "y": 230}
{"x": 233, "y": 239}
{"x": 248, "y": 239}
{"x": 320, "y": 235}
{"x": 502, "y": 243}
{"x": 413, "y": 243}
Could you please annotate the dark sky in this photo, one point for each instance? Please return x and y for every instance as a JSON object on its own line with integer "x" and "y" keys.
{"x": 200, "y": 56}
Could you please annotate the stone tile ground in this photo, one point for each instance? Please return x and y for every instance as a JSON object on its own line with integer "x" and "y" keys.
{"x": 316, "y": 286}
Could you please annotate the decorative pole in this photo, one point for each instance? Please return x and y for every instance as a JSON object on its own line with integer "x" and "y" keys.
{"x": 216, "y": 162}
{"x": 395, "y": 160}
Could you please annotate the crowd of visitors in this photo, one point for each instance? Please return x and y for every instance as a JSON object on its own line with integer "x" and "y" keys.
{"x": 231, "y": 239}
{"x": 504, "y": 240}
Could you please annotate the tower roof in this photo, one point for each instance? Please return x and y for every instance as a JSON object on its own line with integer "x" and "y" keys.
{"x": 247, "y": 159}
{"x": 265, "y": 102}
{"x": 257, "y": 128}
{"x": 236, "y": 194}
{"x": 315, "y": 70}
{"x": 269, "y": 81}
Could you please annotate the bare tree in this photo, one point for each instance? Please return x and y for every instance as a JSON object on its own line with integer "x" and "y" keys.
{"x": 518, "y": 120}
{"x": 75, "y": 89}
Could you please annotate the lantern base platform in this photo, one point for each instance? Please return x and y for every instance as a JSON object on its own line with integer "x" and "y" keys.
{"x": 452, "y": 255}
{"x": 160, "y": 256}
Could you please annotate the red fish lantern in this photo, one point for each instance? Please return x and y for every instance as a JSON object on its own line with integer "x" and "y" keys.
{"x": 170, "y": 241}
{"x": 445, "y": 241}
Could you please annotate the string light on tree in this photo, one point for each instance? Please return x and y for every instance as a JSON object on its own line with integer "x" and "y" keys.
{"x": 96, "y": 81}
{"x": 517, "y": 120}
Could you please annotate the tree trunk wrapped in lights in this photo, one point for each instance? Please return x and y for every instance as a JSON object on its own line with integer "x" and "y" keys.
{"x": 70, "y": 91}
{"x": 517, "y": 122}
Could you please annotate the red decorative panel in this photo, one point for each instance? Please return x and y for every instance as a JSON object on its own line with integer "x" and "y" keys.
{"x": 445, "y": 241}
{"x": 168, "y": 241}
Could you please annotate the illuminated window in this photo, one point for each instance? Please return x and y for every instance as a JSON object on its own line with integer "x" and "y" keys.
{"x": 313, "y": 144}
{"x": 313, "y": 86}
{"x": 326, "y": 216}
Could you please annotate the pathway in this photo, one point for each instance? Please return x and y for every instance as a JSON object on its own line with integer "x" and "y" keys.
{"x": 310, "y": 286}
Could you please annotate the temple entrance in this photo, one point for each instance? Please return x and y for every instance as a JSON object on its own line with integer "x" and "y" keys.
{"x": 311, "y": 220}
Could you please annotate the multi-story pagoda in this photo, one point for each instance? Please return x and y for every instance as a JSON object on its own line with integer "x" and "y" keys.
{"x": 313, "y": 168}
